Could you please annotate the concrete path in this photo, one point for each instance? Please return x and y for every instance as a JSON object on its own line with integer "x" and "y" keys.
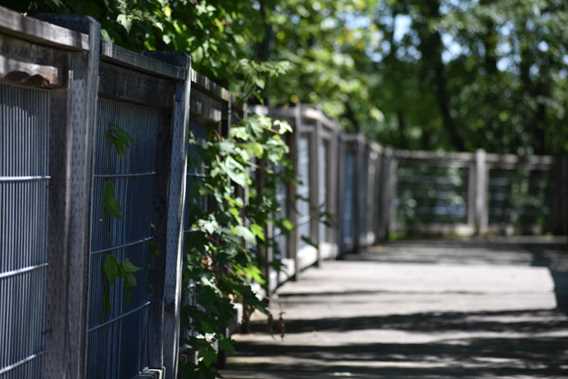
{"x": 419, "y": 309}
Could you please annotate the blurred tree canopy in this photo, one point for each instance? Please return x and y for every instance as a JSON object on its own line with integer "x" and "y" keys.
{"x": 474, "y": 74}
{"x": 436, "y": 74}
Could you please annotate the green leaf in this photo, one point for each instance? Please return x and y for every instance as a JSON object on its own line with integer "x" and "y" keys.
{"x": 208, "y": 356}
{"x": 111, "y": 271}
{"x": 130, "y": 281}
{"x": 243, "y": 232}
{"x": 282, "y": 127}
{"x": 128, "y": 267}
{"x": 258, "y": 231}
{"x": 239, "y": 133}
{"x": 287, "y": 225}
{"x": 111, "y": 268}
{"x": 111, "y": 207}
{"x": 119, "y": 138}
{"x": 255, "y": 149}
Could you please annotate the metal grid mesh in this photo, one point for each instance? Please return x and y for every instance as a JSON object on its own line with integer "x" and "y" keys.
{"x": 519, "y": 197}
{"x": 24, "y": 180}
{"x": 431, "y": 194}
{"x": 303, "y": 190}
{"x": 118, "y": 339}
{"x": 363, "y": 195}
{"x": 324, "y": 185}
{"x": 371, "y": 198}
{"x": 281, "y": 238}
{"x": 347, "y": 193}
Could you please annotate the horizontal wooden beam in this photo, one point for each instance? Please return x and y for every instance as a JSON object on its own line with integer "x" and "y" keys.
{"x": 41, "y": 32}
{"x": 140, "y": 62}
{"x": 25, "y": 73}
{"x": 433, "y": 155}
{"x": 210, "y": 86}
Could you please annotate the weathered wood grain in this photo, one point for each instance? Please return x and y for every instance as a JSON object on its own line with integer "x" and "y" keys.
{"x": 124, "y": 84}
{"x": 145, "y": 62}
{"x": 42, "y": 32}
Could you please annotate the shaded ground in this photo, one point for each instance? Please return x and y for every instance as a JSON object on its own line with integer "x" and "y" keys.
{"x": 420, "y": 309}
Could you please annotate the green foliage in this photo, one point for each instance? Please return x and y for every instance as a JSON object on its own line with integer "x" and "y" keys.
{"x": 112, "y": 268}
{"x": 439, "y": 74}
{"x": 327, "y": 44}
{"x": 224, "y": 247}
{"x": 473, "y": 74}
{"x": 119, "y": 139}
{"x": 111, "y": 206}
{"x": 247, "y": 45}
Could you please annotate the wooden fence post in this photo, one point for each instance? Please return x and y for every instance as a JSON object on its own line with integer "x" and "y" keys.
{"x": 339, "y": 203}
{"x": 358, "y": 200}
{"x": 481, "y": 188}
{"x": 315, "y": 166}
{"x": 559, "y": 196}
{"x": 264, "y": 252}
{"x": 294, "y": 234}
{"x": 388, "y": 193}
{"x": 177, "y": 175}
{"x": 70, "y": 282}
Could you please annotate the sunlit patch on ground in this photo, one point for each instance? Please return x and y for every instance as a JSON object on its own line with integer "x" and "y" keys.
{"x": 407, "y": 311}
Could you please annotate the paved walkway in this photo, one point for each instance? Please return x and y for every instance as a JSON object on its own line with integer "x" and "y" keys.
{"x": 419, "y": 309}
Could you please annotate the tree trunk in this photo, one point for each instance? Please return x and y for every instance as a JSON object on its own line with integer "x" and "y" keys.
{"x": 431, "y": 48}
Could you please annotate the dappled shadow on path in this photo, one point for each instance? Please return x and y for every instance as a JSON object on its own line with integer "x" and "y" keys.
{"x": 433, "y": 328}
{"x": 453, "y": 344}
{"x": 525, "y": 321}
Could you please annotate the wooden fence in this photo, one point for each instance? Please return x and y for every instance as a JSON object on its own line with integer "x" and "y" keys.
{"x": 377, "y": 192}
{"x": 472, "y": 193}
{"x": 313, "y": 145}
{"x": 64, "y": 94}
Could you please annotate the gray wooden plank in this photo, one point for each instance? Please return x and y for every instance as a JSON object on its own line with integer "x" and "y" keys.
{"x": 315, "y": 166}
{"x": 142, "y": 62}
{"x": 481, "y": 184}
{"x": 80, "y": 118}
{"x": 174, "y": 229}
{"x": 58, "y": 280}
{"x": 82, "y": 112}
{"x": 207, "y": 85}
{"x": 294, "y": 234}
{"x": 42, "y": 32}
{"x": 124, "y": 84}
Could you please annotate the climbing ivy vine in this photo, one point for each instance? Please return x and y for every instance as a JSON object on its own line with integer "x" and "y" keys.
{"x": 224, "y": 262}
{"x": 113, "y": 268}
{"x": 223, "y": 259}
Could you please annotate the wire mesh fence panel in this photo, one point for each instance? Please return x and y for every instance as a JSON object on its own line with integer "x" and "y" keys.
{"x": 119, "y": 311}
{"x": 362, "y": 197}
{"x": 371, "y": 211}
{"x": 429, "y": 194}
{"x": 303, "y": 191}
{"x": 324, "y": 185}
{"x": 24, "y": 185}
{"x": 519, "y": 197}
{"x": 347, "y": 193}
{"x": 280, "y": 236}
